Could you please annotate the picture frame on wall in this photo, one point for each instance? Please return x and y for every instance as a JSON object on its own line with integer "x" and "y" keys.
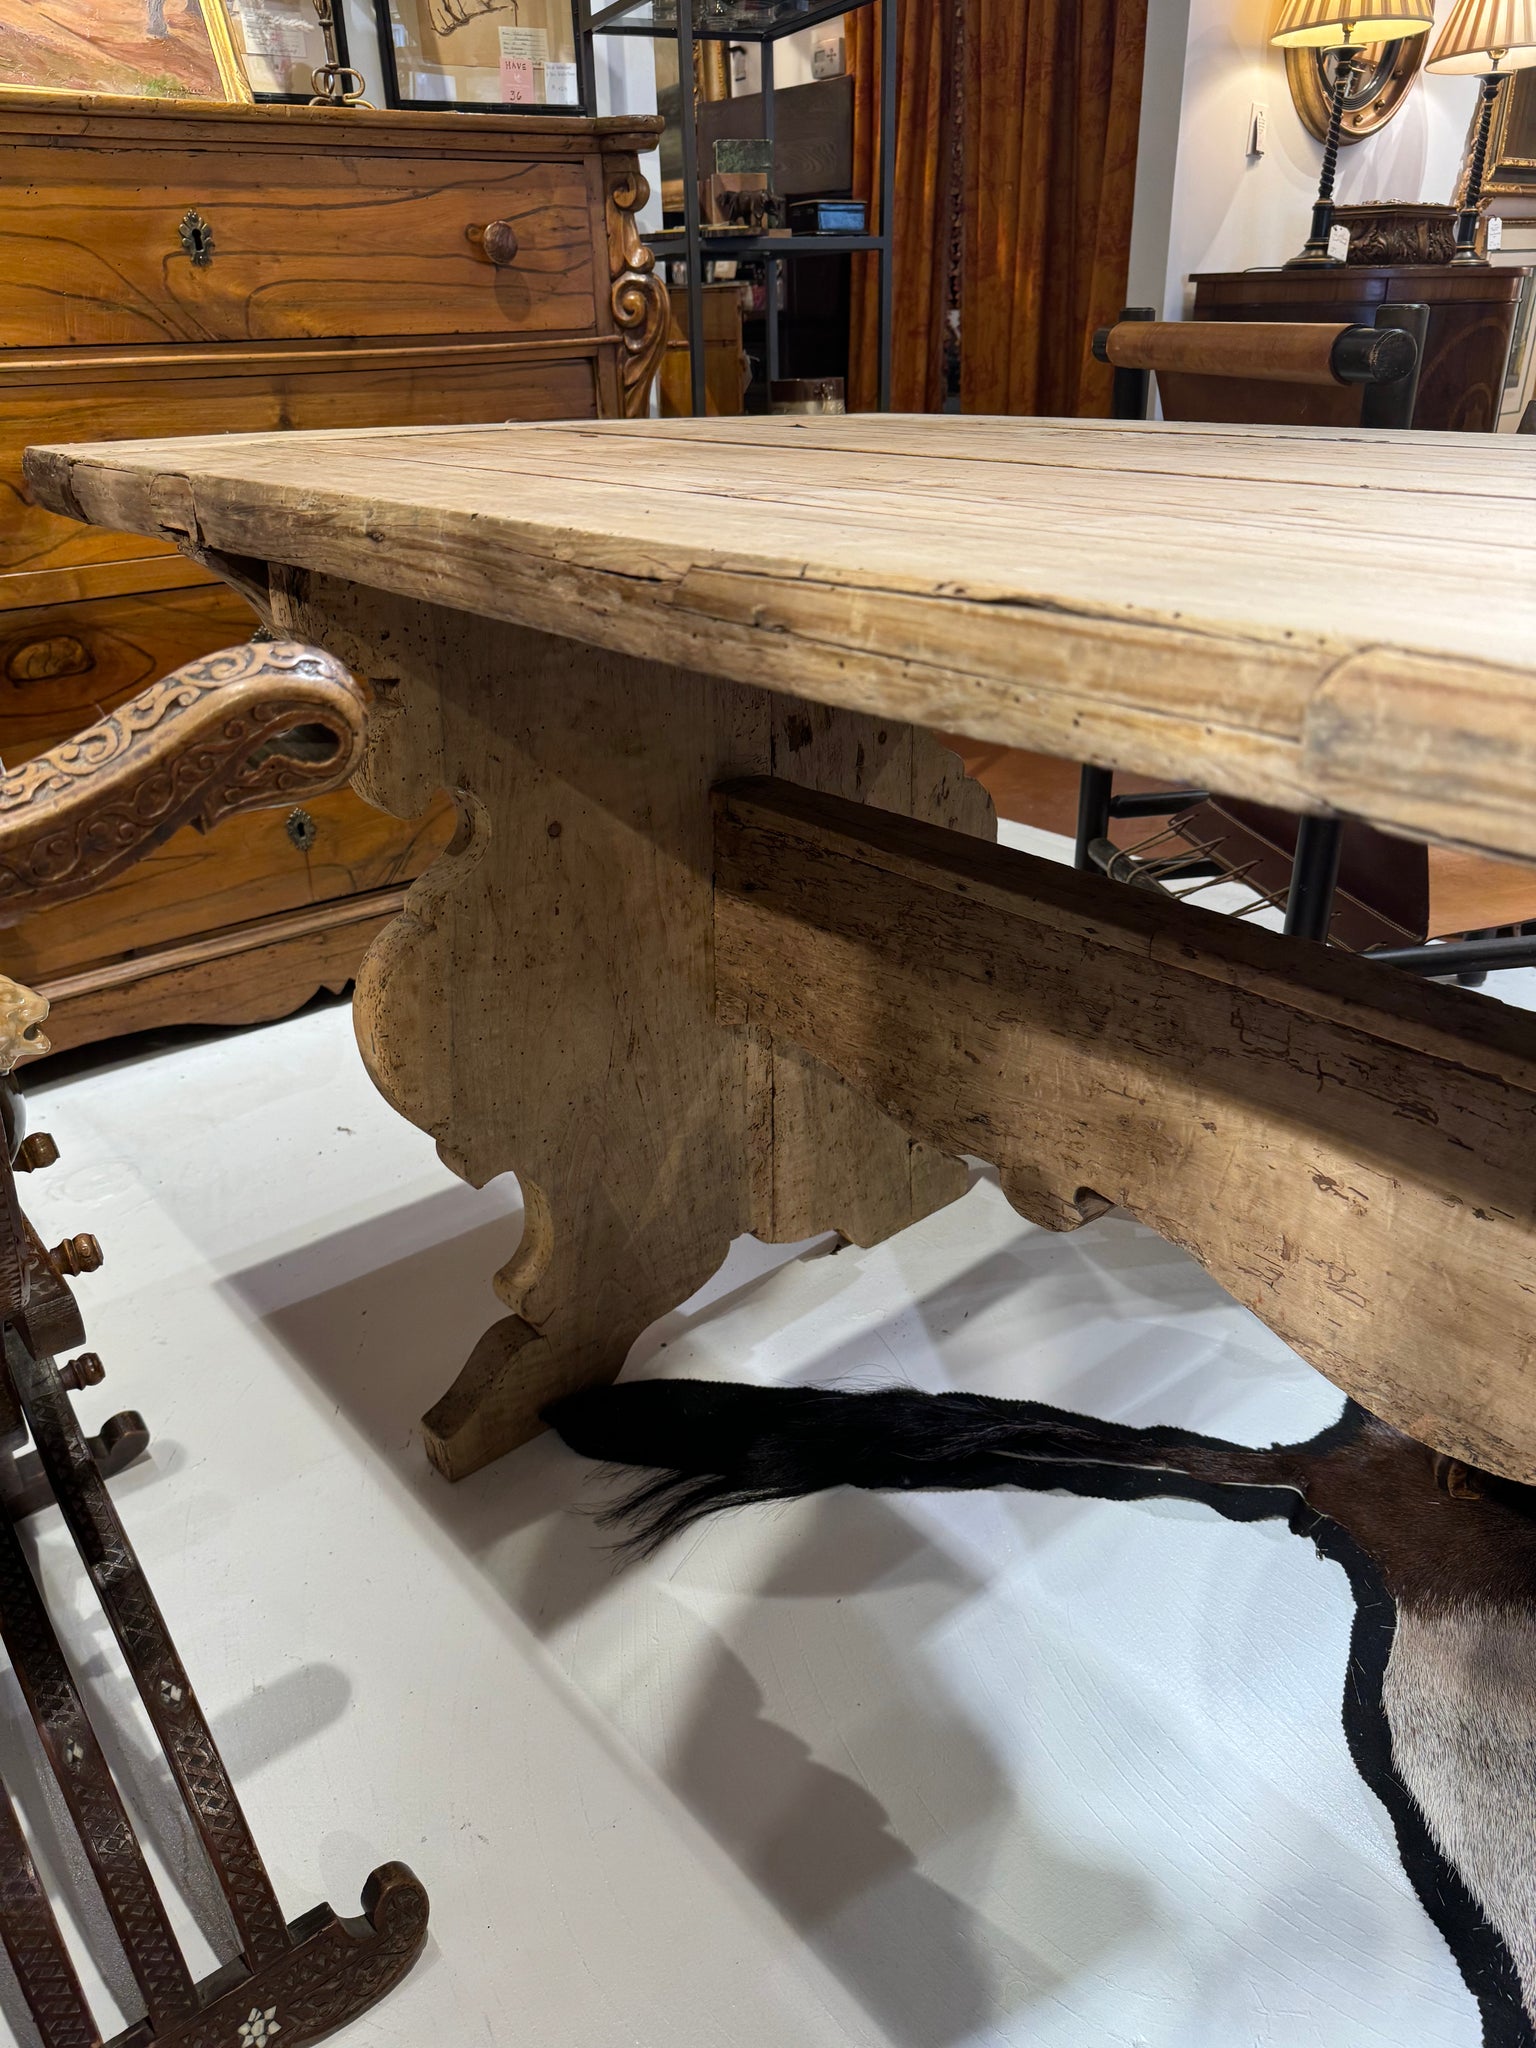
{"x": 129, "y": 49}
{"x": 281, "y": 45}
{"x": 481, "y": 56}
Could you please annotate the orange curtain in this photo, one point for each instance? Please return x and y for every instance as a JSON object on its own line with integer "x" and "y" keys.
{"x": 1052, "y": 93}
{"x": 926, "y": 192}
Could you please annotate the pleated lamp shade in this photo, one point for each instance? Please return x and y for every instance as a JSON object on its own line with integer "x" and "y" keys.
{"x": 1487, "y": 36}
{"x": 1338, "y": 22}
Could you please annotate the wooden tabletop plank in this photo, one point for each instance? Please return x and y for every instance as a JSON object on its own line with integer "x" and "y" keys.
{"x": 1322, "y": 618}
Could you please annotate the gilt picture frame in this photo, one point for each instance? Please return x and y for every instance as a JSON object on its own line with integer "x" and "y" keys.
{"x": 1512, "y": 145}
{"x": 125, "y": 49}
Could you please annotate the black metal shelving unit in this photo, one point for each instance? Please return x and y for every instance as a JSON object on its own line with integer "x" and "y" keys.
{"x": 764, "y": 22}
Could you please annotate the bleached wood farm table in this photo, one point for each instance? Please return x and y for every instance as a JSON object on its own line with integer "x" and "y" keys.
{"x": 722, "y": 944}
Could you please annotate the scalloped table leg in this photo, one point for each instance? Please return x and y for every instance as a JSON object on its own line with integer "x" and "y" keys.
{"x": 545, "y": 1006}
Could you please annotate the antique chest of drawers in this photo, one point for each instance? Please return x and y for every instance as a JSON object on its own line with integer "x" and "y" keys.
{"x": 176, "y": 269}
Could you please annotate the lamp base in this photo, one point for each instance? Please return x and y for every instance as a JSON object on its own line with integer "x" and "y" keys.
{"x": 1316, "y": 253}
{"x": 1467, "y": 223}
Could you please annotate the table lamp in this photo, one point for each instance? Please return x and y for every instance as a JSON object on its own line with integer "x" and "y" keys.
{"x": 1347, "y": 26}
{"x": 1492, "y": 37}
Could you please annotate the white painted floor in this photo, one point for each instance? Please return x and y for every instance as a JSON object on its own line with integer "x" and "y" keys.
{"x": 976, "y": 1769}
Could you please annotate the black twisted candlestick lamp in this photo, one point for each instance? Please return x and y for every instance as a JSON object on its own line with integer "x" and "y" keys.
{"x": 1491, "y": 38}
{"x": 1347, "y": 26}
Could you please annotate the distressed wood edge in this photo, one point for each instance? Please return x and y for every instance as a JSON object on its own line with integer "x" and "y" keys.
{"x": 1458, "y": 1026}
{"x": 822, "y": 640}
{"x": 92, "y": 119}
{"x": 676, "y": 611}
{"x": 653, "y": 614}
{"x": 774, "y": 912}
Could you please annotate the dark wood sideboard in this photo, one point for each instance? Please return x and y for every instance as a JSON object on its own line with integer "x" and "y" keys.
{"x": 172, "y": 269}
{"x": 1471, "y": 319}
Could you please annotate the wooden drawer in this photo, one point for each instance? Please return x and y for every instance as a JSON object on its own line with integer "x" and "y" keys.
{"x": 63, "y": 666}
{"x": 246, "y": 868}
{"x": 243, "y": 391}
{"x": 303, "y": 245}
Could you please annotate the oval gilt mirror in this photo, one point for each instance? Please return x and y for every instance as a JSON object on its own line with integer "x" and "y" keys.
{"x": 1385, "y": 78}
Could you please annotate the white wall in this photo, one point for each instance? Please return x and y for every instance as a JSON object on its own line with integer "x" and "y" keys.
{"x": 626, "y": 84}
{"x": 792, "y": 57}
{"x": 362, "y": 32}
{"x": 1226, "y": 210}
{"x": 1157, "y": 156}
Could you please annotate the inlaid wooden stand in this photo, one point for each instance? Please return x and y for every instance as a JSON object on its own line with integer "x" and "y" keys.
{"x": 206, "y": 743}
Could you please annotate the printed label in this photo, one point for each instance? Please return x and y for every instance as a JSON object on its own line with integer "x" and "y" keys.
{"x": 523, "y": 45}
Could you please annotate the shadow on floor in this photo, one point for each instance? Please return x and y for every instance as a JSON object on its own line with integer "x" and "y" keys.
{"x": 816, "y": 1841}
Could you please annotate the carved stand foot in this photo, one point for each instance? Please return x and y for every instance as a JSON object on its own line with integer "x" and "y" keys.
{"x": 297, "y": 1981}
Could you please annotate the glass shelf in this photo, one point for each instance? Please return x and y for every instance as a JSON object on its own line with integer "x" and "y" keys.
{"x": 732, "y": 21}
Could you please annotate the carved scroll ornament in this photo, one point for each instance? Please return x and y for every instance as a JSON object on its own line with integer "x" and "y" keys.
{"x": 212, "y": 739}
{"x": 641, "y": 310}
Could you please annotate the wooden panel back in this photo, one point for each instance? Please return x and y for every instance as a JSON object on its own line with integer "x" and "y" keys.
{"x": 302, "y": 246}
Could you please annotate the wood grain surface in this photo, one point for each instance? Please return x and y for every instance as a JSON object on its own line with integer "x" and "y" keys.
{"x": 344, "y": 288}
{"x": 1318, "y": 619}
{"x": 63, "y": 666}
{"x": 249, "y": 868}
{"x": 1352, "y": 1159}
{"x": 241, "y": 974}
{"x": 337, "y": 243}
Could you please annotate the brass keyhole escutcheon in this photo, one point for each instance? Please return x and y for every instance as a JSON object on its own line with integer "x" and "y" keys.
{"x": 196, "y": 238}
{"x": 302, "y": 830}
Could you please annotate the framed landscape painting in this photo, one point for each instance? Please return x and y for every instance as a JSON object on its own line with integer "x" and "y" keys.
{"x": 141, "y": 49}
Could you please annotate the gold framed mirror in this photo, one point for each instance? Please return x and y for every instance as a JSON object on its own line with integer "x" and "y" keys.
{"x": 1385, "y": 79}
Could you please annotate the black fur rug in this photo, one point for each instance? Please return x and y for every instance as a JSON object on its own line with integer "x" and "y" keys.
{"x": 1439, "y": 1701}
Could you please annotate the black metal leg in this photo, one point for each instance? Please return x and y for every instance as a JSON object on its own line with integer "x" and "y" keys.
{"x": 1465, "y": 958}
{"x": 1314, "y": 876}
{"x": 1093, "y": 794}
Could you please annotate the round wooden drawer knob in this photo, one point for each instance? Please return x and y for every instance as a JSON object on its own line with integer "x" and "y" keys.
{"x": 498, "y": 240}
